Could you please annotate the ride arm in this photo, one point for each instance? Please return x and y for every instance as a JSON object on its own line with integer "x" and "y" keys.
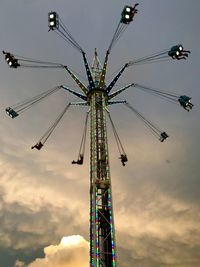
{"x": 88, "y": 72}
{"x": 80, "y": 84}
{"x": 120, "y": 91}
{"x": 116, "y": 102}
{"x": 79, "y": 104}
{"x": 74, "y": 92}
{"x": 103, "y": 73}
{"x": 113, "y": 82}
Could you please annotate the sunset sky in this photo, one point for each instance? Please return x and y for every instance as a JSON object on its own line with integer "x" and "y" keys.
{"x": 44, "y": 199}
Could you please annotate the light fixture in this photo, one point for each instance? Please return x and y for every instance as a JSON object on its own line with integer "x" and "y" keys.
{"x": 11, "y": 112}
{"x": 53, "y": 20}
{"x": 127, "y": 15}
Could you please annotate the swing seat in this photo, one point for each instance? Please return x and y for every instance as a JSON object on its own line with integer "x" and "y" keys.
{"x": 11, "y": 112}
{"x": 163, "y": 136}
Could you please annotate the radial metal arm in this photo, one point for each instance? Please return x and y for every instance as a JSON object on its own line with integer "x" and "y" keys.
{"x": 79, "y": 103}
{"x": 120, "y": 91}
{"x": 116, "y": 102}
{"x": 103, "y": 73}
{"x": 80, "y": 84}
{"x": 113, "y": 82}
{"x": 88, "y": 72}
{"x": 74, "y": 92}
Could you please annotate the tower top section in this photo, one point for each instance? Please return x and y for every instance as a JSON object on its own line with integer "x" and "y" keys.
{"x": 96, "y": 68}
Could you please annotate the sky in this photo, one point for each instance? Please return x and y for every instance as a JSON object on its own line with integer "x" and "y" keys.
{"x": 44, "y": 199}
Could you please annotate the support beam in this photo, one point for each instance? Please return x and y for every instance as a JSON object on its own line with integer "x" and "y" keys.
{"x": 80, "y": 84}
{"x": 110, "y": 86}
{"x": 79, "y": 103}
{"x": 88, "y": 72}
{"x": 103, "y": 73}
{"x": 116, "y": 102}
{"x": 74, "y": 92}
{"x": 120, "y": 91}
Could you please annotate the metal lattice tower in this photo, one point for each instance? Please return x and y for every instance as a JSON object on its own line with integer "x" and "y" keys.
{"x": 102, "y": 233}
{"x": 97, "y": 96}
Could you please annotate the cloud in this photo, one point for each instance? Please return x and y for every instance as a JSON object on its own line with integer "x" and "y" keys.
{"x": 73, "y": 251}
{"x": 36, "y": 205}
{"x": 153, "y": 227}
{"x": 158, "y": 230}
{"x": 19, "y": 264}
{"x": 25, "y": 228}
{"x": 37, "y": 199}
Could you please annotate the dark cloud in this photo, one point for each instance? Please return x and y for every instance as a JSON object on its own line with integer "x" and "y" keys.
{"x": 22, "y": 227}
{"x": 8, "y": 257}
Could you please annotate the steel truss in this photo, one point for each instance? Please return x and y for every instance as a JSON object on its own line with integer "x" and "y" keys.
{"x": 102, "y": 247}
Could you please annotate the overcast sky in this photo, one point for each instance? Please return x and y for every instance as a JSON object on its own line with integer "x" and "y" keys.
{"x": 157, "y": 195}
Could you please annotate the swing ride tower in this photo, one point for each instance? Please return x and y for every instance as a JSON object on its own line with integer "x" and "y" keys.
{"x": 97, "y": 96}
{"x": 102, "y": 233}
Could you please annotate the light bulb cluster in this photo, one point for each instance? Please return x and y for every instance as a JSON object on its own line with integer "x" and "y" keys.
{"x": 11, "y": 112}
{"x": 11, "y": 60}
{"x": 128, "y": 14}
{"x": 53, "y": 20}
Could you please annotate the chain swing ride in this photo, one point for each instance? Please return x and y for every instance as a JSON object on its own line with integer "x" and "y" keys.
{"x": 97, "y": 96}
